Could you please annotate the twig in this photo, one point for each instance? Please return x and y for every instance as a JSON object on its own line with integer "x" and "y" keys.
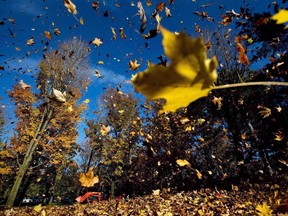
{"x": 235, "y": 85}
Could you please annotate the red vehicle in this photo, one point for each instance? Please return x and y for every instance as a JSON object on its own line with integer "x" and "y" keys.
{"x": 86, "y": 196}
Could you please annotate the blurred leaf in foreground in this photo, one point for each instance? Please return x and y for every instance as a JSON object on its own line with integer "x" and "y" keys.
{"x": 189, "y": 77}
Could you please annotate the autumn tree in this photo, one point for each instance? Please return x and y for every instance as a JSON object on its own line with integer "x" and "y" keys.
{"x": 268, "y": 38}
{"x": 6, "y": 159}
{"x": 2, "y": 122}
{"x": 46, "y": 133}
{"x": 115, "y": 137}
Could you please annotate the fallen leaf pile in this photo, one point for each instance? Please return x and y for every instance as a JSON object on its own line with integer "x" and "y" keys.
{"x": 258, "y": 199}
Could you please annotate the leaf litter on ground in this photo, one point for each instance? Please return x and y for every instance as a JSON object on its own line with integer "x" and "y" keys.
{"x": 246, "y": 199}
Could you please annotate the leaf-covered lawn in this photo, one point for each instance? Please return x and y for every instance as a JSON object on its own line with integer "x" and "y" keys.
{"x": 257, "y": 199}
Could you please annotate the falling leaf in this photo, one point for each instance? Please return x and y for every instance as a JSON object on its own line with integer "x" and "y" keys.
{"x": 97, "y": 73}
{"x": 121, "y": 111}
{"x": 30, "y": 41}
{"x": 183, "y": 162}
{"x": 11, "y": 33}
{"x": 217, "y": 101}
{"x": 243, "y": 136}
{"x": 184, "y": 120}
{"x": 57, "y": 31}
{"x": 149, "y": 3}
{"x": 160, "y": 6}
{"x": 70, "y": 6}
{"x": 263, "y": 210}
{"x": 95, "y": 4}
{"x": 234, "y": 188}
{"x": 279, "y": 136}
{"x": 199, "y": 174}
{"x": 200, "y": 121}
{"x": 59, "y": 96}
{"x": 142, "y": 15}
{"x": 283, "y": 162}
{"x": 168, "y": 12}
{"x": 201, "y": 139}
{"x": 88, "y": 179}
{"x": 48, "y": 35}
{"x": 281, "y": 16}
{"x": 133, "y": 65}
{"x": 197, "y": 29}
{"x": 81, "y": 21}
{"x": 250, "y": 40}
{"x": 265, "y": 111}
{"x": 226, "y": 19}
{"x": 11, "y": 20}
{"x": 104, "y": 130}
{"x": 156, "y": 192}
{"x": 86, "y": 101}
{"x": 114, "y": 33}
{"x": 278, "y": 108}
{"x": 151, "y": 34}
{"x": 242, "y": 54}
{"x": 121, "y": 32}
{"x": 24, "y": 85}
{"x": 97, "y": 42}
{"x": 105, "y": 14}
{"x": 158, "y": 19}
{"x": 189, "y": 77}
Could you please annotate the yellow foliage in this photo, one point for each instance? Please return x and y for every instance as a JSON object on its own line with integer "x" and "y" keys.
{"x": 182, "y": 162}
{"x": 189, "y": 77}
{"x": 199, "y": 174}
{"x": 5, "y": 170}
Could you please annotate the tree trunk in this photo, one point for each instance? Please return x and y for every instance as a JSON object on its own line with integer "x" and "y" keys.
{"x": 17, "y": 182}
{"x": 112, "y": 195}
{"x": 262, "y": 151}
{"x": 28, "y": 157}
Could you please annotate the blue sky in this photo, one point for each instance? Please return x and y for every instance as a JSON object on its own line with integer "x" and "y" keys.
{"x": 30, "y": 18}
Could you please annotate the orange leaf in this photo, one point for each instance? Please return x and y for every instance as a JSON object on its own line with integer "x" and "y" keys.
{"x": 160, "y": 6}
{"x": 242, "y": 54}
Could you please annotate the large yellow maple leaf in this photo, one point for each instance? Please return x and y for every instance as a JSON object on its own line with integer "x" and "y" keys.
{"x": 88, "y": 179}
{"x": 189, "y": 77}
{"x": 281, "y": 16}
